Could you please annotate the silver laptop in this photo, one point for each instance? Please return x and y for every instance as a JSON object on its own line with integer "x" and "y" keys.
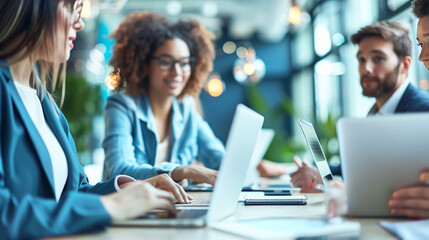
{"x": 242, "y": 138}
{"x": 316, "y": 150}
{"x": 264, "y": 141}
{"x": 378, "y": 155}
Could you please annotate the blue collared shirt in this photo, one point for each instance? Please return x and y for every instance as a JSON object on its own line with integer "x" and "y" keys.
{"x": 131, "y": 139}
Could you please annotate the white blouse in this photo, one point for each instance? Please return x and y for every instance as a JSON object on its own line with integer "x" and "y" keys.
{"x": 162, "y": 152}
{"x": 59, "y": 162}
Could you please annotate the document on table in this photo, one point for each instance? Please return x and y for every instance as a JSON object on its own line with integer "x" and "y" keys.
{"x": 287, "y": 228}
{"x": 408, "y": 229}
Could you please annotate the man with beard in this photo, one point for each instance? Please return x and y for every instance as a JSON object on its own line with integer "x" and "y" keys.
{"x": 384, "y": 60}
{"x": 384, "y": 57}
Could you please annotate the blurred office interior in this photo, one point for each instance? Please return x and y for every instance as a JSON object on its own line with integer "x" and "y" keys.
{"x": 287, "y": 59}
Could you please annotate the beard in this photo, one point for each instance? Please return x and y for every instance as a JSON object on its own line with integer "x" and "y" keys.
{"x": 385, "y": 85}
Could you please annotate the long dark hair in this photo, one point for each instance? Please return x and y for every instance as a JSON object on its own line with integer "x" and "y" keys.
{"x": 25, "y": 25}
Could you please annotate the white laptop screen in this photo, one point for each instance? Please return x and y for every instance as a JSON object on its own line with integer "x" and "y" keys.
{"x": 241, "y": 142}
{"x": 316, "y": 150}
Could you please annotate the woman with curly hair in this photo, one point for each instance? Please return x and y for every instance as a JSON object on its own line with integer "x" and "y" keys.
{"x": 152, "y": 125}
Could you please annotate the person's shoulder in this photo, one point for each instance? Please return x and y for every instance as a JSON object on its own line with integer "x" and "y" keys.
{"x": 5, "y": 79}
{"x": 47, "y": 96}
{"x": 419, "y": 94}
{"x": 187, "y": 104}
{"x": 121, "y": 99}
{"x": 188, "y": 101}
{"x": 4, "y": 71}
{"x": 119, "y": 96}
{"x": 185, "y": 107}
{"x": 420, "y": 98}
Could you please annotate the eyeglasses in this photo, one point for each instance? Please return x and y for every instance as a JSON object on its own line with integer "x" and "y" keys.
{"x": 167, "y": 63}
{"x": 78, "y": 5}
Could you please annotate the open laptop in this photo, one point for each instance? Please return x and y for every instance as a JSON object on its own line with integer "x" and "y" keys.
{"x": 252, "y": 178}
{"x": 242, "y": 138}
{"x": 378, "y": 155}
{"x": 264, "y": 141}
{"x": 293, "y": 228}
{"x": 316, "y": 150}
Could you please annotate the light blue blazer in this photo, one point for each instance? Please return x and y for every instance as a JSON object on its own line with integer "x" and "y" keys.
{"x": 130, "y": 141}
{"x": 28, "y": 208}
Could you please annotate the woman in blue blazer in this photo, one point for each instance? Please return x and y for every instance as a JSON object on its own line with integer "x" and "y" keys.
{"x": 43, "y": 189}
{"x": 152, "y": 123}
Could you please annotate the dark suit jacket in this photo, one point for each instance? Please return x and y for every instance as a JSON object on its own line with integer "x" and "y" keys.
{"x": 413, "y": 100}
{"x": 28, "y": 208}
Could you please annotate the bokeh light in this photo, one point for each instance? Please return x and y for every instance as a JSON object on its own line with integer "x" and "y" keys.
{"x": 229, "y": 47}
{"x": 113, "y": 80}
{"x": 86, "y": 10}
{"x": 174, "y": 8}
{"x": 294, "y": 15}
{"x": 210, "y": 9}
{"x": 424, "y": 84}
{"x": 241, "y": 52}
{"x": 249, "y": 69}
{"x": 215, "y": 87}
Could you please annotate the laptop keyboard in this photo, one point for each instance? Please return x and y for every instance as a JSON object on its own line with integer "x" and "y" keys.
{"x": 190, "y": 213}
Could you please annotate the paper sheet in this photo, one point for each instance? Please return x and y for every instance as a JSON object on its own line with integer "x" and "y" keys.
{"x": 408, "y": 229}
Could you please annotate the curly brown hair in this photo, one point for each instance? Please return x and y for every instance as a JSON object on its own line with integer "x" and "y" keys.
{"x": 140, "y": 34}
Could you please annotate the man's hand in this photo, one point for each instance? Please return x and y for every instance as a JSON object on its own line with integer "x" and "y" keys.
{"x": 270, "y": 169}
{"x": 412, "y": 201}
{"x": 306, "y": 177}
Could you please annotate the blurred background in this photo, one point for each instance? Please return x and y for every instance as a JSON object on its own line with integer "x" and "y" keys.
{"x": 286, "y": 59}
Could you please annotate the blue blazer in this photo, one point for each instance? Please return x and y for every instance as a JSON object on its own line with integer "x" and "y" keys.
{"x": 413, "y": 100}
{"x": 130, "y": 141}
{"x": 28, "y": 208}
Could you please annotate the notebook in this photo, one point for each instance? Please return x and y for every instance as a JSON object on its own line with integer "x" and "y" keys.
{"x": 378, "y": 155}
{"x": 316, "y": 150}
{"x": 242, "y": 138}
